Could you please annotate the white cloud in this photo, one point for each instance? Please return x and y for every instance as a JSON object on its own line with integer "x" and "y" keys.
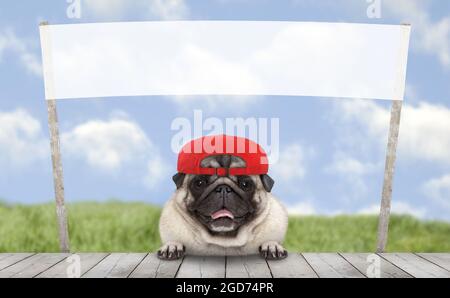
{"x": 160, "y": 9}
{"x": 301, "y": 208}
{"x": 22, "y": 140}
{"x": 424, "y": 136}
{"x": 370, "y": 210}
{"x": 106, "y": 144}
{"x": 424, "y": 128}
{"x": 353, "y": 172}
{"x": 346, "y": 165}
{"x": 428, "y": 36}
{"x": 372, "y": 116}
{"x": 156, "y": 170}
{"x": 291, "y": 164}
{"x": 397, "y": 207}
{"x": 425, "y": 132}
{"x": 112, "y": 145}
{"x": 438, "y": 189}
{"x": 9, "y": 41}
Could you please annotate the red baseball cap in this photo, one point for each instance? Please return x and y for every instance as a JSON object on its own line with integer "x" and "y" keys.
{"x": 192, "y": 154}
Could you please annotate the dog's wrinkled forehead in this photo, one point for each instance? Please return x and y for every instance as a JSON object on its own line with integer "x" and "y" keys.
{"x": 223, "y": 161}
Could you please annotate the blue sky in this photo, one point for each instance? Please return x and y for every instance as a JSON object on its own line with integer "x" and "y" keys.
{"x": 332, "y": 151}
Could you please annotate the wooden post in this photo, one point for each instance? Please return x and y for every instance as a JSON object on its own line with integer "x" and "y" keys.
{"x": 58, "y": 181}
{"x": 58, "y": 177}
{"x": 385, "y": 209}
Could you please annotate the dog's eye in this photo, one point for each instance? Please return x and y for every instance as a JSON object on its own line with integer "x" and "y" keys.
{"x": 200, "y": 183}
{"x": 245, "y": 184}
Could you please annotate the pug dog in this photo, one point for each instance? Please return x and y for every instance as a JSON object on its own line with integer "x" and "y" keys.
{"x": 223, "y": 215}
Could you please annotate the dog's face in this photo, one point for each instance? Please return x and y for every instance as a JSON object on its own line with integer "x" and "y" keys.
{"x": 223, "y": 204}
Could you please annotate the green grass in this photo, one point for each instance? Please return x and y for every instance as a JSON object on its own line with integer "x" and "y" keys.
{"x": 116, "y": 226}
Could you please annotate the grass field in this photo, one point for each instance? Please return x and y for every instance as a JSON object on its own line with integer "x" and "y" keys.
{"x": 116, "y": 226}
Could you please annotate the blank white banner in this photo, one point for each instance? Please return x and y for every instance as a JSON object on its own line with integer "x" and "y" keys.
{"x": 225, "y": 58}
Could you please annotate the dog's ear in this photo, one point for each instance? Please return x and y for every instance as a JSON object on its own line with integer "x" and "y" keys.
{"x": 267, "y": 182}
{"x": 178, "y": 178}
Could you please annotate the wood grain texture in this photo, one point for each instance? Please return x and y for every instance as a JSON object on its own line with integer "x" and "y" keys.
{"x": 362, "y": 262}
{"x": 141, "y": 265}
{"x": 60, "y": 270}
{"x": 9, "y": 259}
{"x": 116, "y": 265}
{"x": 294, "y": 266}
{"x": 152, "y": 267}
{"x": 386, "y": 195}
{"x": 440, "y": 259}
{"x": 58, "y": 180}
{"x": 415, "y": 265}
{"x": 331, "y": 265}
{"x": 32, "y": 266}
{"x": 200, "y": 267}
{"x": 247, "y": 267}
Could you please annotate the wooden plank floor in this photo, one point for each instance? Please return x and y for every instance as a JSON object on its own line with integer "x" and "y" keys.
{"x": 304, "y": 265}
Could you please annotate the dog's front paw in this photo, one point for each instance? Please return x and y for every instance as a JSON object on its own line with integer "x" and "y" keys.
{"x": 272, "y": 250}
{"x": 171, "y": 251}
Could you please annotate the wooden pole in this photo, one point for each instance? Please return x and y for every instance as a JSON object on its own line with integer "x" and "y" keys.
{"x": 58, "y": 177}
{"x": 385, "y": 209}
{"x": 58, "y": 181}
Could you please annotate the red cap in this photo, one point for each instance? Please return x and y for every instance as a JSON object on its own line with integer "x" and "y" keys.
{"x": 192, "y": 154}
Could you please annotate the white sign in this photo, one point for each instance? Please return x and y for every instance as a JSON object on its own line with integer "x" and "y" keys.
{"x": 225, "y": 58}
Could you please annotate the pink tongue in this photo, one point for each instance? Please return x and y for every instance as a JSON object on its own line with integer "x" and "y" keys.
{"x": 222, "y": 213}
